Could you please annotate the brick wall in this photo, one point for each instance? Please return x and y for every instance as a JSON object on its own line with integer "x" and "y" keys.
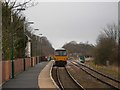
{"x": 18, "y": 67}
{"x": 6, "y": 70}
{"x": 27, "y": 63}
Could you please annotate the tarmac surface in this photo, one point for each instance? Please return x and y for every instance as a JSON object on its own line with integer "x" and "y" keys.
{"x": 25, "y": 80}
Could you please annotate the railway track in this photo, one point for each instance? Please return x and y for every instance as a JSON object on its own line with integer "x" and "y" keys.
{"x": 65, "y": 80}
{"x": 113, "y": 83}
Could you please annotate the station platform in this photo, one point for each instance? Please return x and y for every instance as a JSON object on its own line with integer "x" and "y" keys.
{"x": 35, "y": 78}
{"x": 45, "y": 79}
{"x": 25, "y": 80}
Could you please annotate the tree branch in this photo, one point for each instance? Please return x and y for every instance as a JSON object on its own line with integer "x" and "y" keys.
{"x": 22, "y": 4}
{"x": 13, "y": 4}
{"x": 8, "y": 1}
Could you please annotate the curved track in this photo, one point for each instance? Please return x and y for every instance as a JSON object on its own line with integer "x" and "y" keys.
{"x": 65, "y": 80}
{"x": 113, "y": 83}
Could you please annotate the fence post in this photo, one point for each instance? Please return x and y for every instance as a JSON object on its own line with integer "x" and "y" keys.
{"x": 36, "y": 59}
{"x": 31, "y": 62}
{"x": 39, "y": 59}
{"x": 24, "y": 63}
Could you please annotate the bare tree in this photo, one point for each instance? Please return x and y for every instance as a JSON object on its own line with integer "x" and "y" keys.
{"x": 111, "y": 31}
{"x": 107, "y": 45}
{"x": 20, "y": 4}
{"x": 14, "y": 29}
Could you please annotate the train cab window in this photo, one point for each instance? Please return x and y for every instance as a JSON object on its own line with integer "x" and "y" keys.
{"x": 56, "y": 53}
{"x": 60, "y": 53}
{"x": 64, "y": 53}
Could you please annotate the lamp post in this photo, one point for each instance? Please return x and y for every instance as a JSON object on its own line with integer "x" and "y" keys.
{"x": 28, "y": 42}
{"x": 13, "y": 42}
{"x": 30, "y": 22}
{"x": 40, "y": 47}
{"x": 36, "y": 42}
{"x": 22, "y": 9}
{"x": 29, "y": 45}
{"x": 12, "y": 47}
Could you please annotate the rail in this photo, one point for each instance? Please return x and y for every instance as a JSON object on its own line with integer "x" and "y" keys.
{"x": 113, "y": 83}
{"x": 62, "y": 83}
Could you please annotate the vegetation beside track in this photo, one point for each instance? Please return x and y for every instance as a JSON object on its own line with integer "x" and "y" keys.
{"x": 110, "y": 70}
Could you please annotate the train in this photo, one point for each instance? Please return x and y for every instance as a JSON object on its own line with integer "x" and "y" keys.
{"x": 82, "y": 58}
{"x": 60, "y": 57}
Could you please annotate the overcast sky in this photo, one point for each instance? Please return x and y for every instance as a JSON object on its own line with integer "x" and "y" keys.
{"x": 62, "y": 22}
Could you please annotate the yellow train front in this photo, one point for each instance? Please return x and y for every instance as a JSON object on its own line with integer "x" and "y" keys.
{"x": 60, "y": 57}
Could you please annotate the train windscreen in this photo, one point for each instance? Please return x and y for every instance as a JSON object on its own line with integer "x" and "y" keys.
{"x": 60, "y": 53}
